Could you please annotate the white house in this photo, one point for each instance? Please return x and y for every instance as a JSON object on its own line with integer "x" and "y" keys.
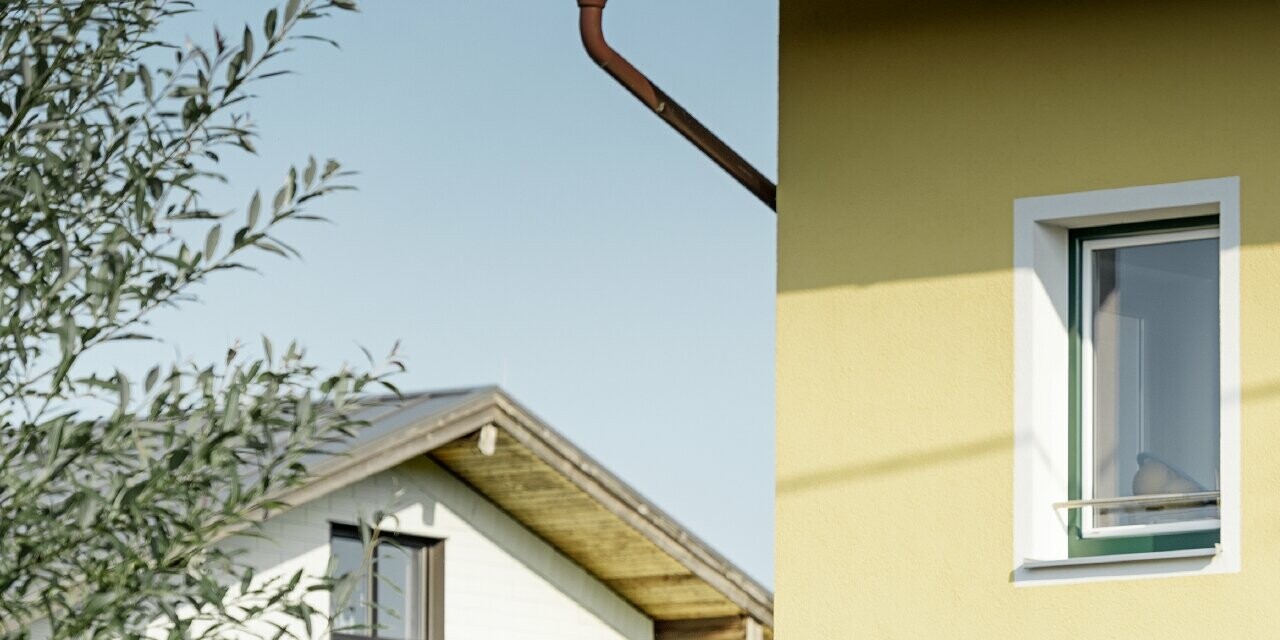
{"x": 505, "y": 530}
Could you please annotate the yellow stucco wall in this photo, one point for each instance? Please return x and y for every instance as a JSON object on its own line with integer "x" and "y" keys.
{"x": 906, "y": 135}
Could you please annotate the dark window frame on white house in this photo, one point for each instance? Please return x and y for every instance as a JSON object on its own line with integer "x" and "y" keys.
{"x": 419, "y": 589}
{"x": 1049, "y": 234}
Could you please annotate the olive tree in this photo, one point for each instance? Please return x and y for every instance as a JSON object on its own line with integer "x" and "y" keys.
{"x": 114, "y": 493}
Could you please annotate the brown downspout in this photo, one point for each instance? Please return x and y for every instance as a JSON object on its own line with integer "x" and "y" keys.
{"x": 591, "y": 22}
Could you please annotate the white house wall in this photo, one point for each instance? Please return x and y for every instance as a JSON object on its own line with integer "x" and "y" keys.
{"x": 501, "y": 581}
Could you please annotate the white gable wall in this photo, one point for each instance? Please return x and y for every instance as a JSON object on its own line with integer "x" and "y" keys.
{"x": 501, "y": 581}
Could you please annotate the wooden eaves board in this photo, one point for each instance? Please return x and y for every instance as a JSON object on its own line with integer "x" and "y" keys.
{"x": 570, "y": 501}
{"x": 580, "y": 527}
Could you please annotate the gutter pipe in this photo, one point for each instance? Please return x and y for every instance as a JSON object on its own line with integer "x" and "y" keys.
{"x": 591, "y": 24}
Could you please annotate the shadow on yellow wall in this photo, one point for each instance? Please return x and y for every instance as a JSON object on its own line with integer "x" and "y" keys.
{"x": 914, "y": 460}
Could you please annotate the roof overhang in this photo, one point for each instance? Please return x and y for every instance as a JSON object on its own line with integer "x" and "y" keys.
{"x": 558, "y": 492}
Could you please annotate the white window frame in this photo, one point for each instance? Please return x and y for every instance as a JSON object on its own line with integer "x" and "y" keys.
{"x": 1087, "y": 249}
{"x": 1042, "y": 227}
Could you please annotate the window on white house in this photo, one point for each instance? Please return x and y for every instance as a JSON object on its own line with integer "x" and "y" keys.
{"x": 396, "y": 591}
{"x": 1147, "y": 434}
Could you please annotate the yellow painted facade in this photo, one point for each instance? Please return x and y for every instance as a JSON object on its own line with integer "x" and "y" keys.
{"x": 907, "y": 132}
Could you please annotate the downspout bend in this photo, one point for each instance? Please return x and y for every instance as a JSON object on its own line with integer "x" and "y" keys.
{"x": 591, "y": 26}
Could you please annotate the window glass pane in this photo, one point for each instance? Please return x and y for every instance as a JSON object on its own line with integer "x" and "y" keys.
{"x": 1155, "y": 406}
{"x": 348, "y": 556}
{"x": 397, "y": 578}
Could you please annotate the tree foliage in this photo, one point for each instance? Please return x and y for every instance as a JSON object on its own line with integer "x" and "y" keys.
{"x": 109, "y": 516}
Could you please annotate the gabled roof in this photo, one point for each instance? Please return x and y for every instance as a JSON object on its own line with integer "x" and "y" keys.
{"x": 559, "y": 493}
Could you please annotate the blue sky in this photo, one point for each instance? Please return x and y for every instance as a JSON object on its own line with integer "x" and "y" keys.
{"x": 521, "y": 220}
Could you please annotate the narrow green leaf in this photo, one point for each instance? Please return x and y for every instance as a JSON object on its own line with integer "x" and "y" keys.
{"x": 272, "y": 247}
{"x": 234, "y": 68}
{"x": 309, "y": 175}
{"x": 55, "y": 440}
{"x": 281, "y": 197}
{"x": 304, "y": 409}
{"x": 255, "y": 208}
{"x": 130, "y": 495}
{"x": 145, "y": 76}
{"x": 68, "y": 339}
{"x": 211, "y": 242}
{"x": 177, "y": 457}
{"x": 248, "y": 44}
{"x": 122, "y": 388}
{"x": 88, "y": 511}
{"x": 269, "y": 25}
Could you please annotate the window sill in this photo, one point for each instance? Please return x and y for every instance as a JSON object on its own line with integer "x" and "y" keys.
{"x": 1123, "y": 558}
